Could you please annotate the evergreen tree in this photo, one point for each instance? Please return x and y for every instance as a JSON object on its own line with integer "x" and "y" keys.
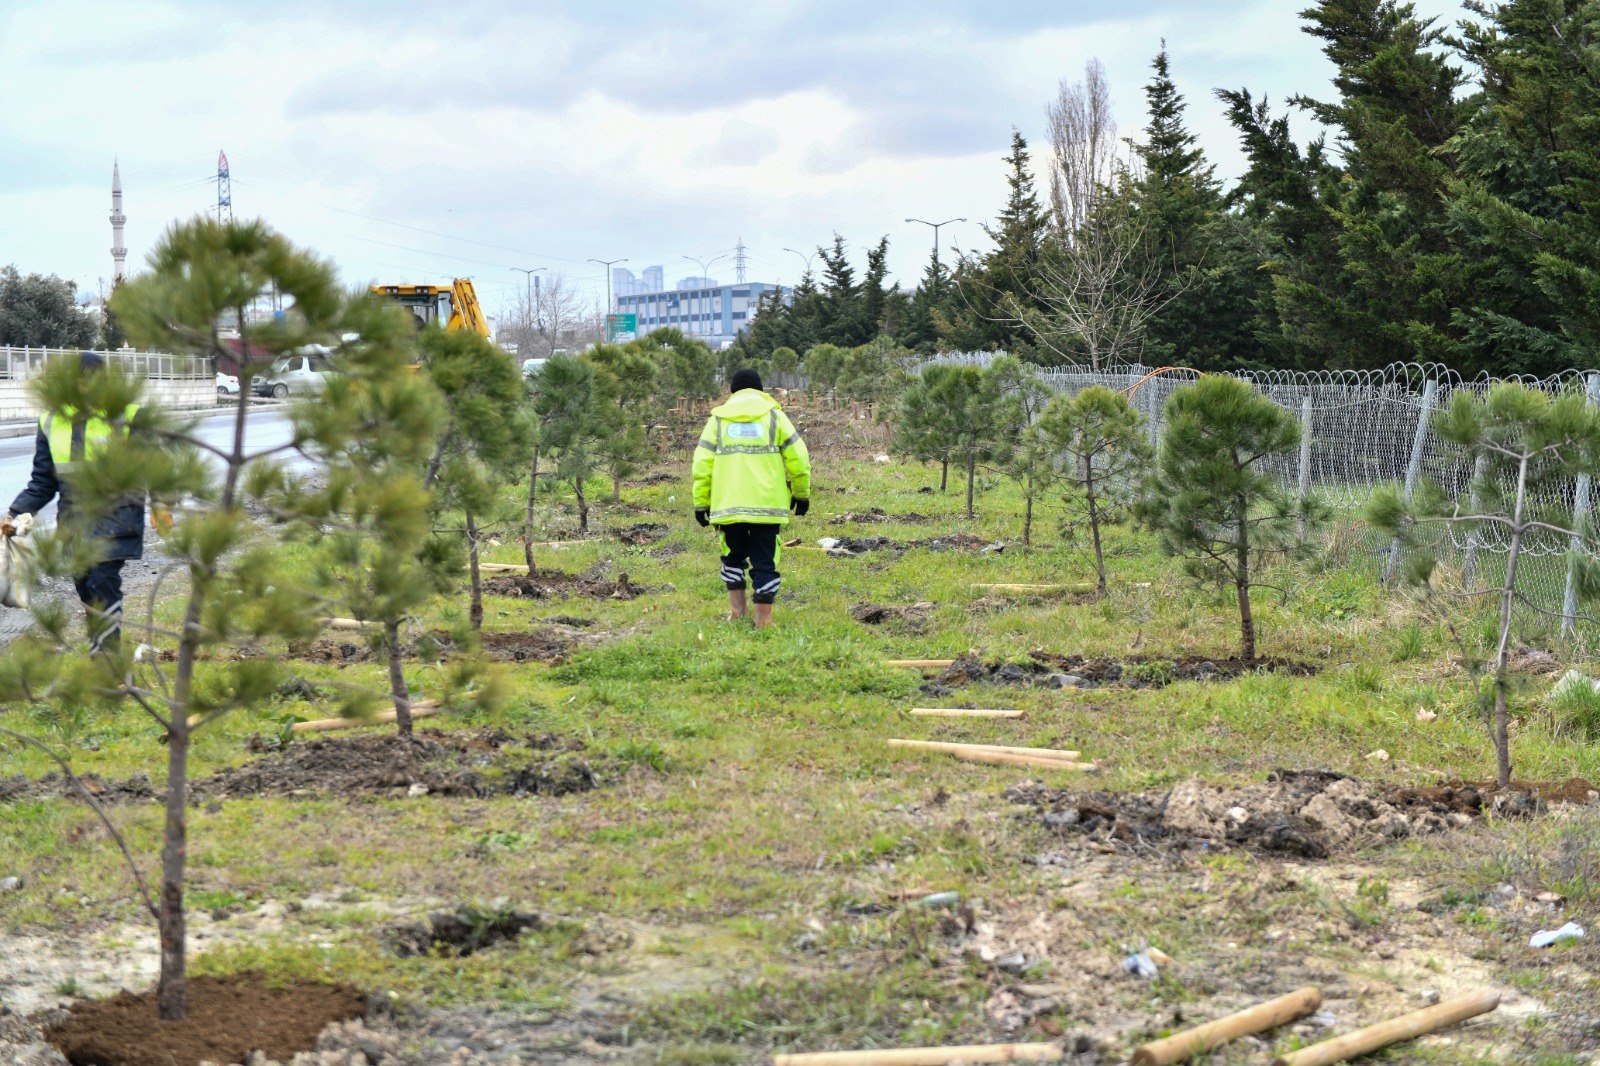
{"x": 1212, "y": 499}
{"x": 570, "y": 427}
{"x": 112, "y": 335}
{"x": 624, "y": 380}
{"x": 924, "y": 430}
{"x": 38, "y": 311}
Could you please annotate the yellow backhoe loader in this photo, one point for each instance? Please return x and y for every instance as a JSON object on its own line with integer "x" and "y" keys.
{"x": 456, "y": 307}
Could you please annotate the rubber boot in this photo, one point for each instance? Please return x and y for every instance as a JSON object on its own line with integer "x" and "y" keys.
{"x": 736, "y": 606}
{"x": 763, "y": 615}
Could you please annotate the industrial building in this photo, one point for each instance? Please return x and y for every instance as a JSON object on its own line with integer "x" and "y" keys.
{"x": 713, "y": 313}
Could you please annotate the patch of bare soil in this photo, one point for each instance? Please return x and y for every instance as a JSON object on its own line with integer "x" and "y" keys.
{"x": 877, "y": 514}
{"x": 849, "y": 546}
{"x": 54, "y": 785}
{"x": 1311, "y": 814}
{"x": 434, "y": 763}
{"x": 1077, "y": 671}
{"x": 641, "y": 533}
{"x": 228, "y": 1019}
{"x": 659, "y": 478}
{"x": 873, "y": 614}
{"x": 461, "y": 932}
{"x": 553, "y": 584}
{"x": 551, "y": 644}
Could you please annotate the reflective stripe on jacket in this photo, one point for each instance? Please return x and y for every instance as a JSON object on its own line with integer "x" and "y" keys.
{"x": 67, "y": 446}
{"x": 750, "y": 461}
{"x": 53, "y": 455}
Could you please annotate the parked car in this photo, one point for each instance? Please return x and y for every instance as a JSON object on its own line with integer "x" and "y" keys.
{"x": 227, "y": 384}
{"x": 304, "y": 371}
{"x": 531, "y": 367}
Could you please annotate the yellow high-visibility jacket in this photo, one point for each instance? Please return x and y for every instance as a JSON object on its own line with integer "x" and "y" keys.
{"x": 750, "y": 461}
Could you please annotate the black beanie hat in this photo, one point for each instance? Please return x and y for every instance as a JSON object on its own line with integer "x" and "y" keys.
{"x": 745, "y": 379}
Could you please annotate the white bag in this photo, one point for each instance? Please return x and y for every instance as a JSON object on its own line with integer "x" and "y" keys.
{"x": 15, "y": 566}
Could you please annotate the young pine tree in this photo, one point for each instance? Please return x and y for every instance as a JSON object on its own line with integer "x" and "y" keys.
{"x": 1519, "y": 437}
{"x": 1211, "y": 498}
{"x": 922, "y": 431}
{"x": 1100, "y": 442}
{"x": 569, "y": 424}
{"x": 241, "y": 593}
{"x": 486, "y": 440}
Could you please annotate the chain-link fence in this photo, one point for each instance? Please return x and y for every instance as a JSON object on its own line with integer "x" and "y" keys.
{"x": 1366, "y": 428}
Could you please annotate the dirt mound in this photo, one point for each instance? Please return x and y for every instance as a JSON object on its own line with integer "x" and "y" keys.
{"x": 1077, "y": 671}
{"x": 432, "y": 763}
{"x": 1308, "y": 813}
{"x": 552, "y": 584}
{"x": 642, "y": 533}
{"x": 873, "y": 614}
{"x": 955, "y": 542}
{"x": 654, "y": 479}
{"x": 544, "y": 645}
{"x": 54, "y": 785}
{"x": 228, "y": 1018}
{"x": 845, "y": 546}
{"x": 876, "y": 514}
{"x": 461, "y": 932}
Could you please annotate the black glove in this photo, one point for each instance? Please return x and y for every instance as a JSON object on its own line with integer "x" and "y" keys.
{"x": 800, "y": 504}
{"x": 702, "y": 515}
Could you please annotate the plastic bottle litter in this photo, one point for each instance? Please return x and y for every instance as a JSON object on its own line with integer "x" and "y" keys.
{"x": 940, "y": 899}
{"x": 1545, "y": 937}
{"x": 1140, "y": 965}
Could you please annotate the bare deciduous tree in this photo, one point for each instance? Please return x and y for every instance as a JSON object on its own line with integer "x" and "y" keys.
{"x": 556, "y": 316}
{"x": 1083, "y": 147}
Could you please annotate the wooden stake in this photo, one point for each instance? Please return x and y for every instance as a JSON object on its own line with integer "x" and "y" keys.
{"x": 926, "y": 1056}
{"x": 964, "y": 712}
{"x": 919, "y": 664}
{"x": 1392, "y": 1031}
{"x": 1202, "y": 1038}
{"x": 1005, "y": 758}
{"x": 1033, "y": 588}
{"x": 420, "y": 709}
{"x": 940, "y": 745}
{"x": 349, "y": 623}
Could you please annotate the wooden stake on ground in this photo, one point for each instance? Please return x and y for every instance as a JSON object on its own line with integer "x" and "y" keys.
{"x": 964, "y": 712}
{"x": 1034, "y": 588}
{"x": 1406, "y": 1026}
{"x": 420, "y": 709}
{"x": 349, "y": 623}
{"x": 941, "y": 745}
{"x": 1003, "y": 758}
{"x": 926, "y": 1056}
{"x": 920, "y": 664}
{"x": 1202, "y": 1038}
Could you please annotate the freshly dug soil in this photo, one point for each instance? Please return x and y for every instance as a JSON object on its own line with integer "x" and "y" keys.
{"x": 461, "y": 932}
{"x": 54, "y": 785}
{"x": 488, "y": 763}
{"x": 228, "y": 1018}
{"x": 873, "y": 614}
{"x": 643, "y": 533}
{"x": 1308, "y": 813}
{"x": 948, "y": 542}
{"x": 1136, "y": 671}
{"x": 544, "y": 645}
{"x": 876, "y": 514}
{"x": 552, "y": 584}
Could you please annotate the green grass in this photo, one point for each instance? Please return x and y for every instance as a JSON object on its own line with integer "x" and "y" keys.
{"x": 759, "y": 791}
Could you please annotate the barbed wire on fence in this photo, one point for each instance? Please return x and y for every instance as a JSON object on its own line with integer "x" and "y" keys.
{"x": 1365, "y": 428}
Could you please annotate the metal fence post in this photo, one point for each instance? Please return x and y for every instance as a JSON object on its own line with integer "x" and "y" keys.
{"x": 1469, "y": 565}
{"x": 1414, "y": 469}
{"x": 1580, "y": 515}
{"x": 1305, "y": 459}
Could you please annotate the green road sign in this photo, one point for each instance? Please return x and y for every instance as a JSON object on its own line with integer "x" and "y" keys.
{"x": 616, "y": 325}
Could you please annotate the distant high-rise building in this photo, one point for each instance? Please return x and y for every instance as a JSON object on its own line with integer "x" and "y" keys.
{"x": 119, "y": 251}
{"x": 696, "y": 283}
{"x": 654, "y": 279}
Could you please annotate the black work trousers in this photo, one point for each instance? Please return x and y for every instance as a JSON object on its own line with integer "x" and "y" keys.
{"x": 101, "y": 592}
{"x": 751, "y": 546}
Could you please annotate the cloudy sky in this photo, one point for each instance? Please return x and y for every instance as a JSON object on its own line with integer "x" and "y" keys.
{"x": 413, "y": 142}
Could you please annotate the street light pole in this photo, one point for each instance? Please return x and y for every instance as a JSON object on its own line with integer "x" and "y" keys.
{"x": 608, "y": 264}
{"x": 705, "y": 279}
{"x": 530, "y": 272}
{"x": 805, "y": 258}
{"x": 936, "y": 226}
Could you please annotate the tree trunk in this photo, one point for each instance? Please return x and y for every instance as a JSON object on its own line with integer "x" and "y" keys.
{"x": 944, "y": 473}
{"x": 1094, "y": 525}
{"x": 397, "y": 678}
{"x": 1027, "y": 522}
{"x": 972, "y": 462}
{"x": 173, "y": 987}
{"x": 616, "y": 488}
{"x": 533, "y": 485}
{"x": 1508, "y": 593}
{"x": 475, "y": 611}
{"x": 1241, "y": 577}
{"x": 583, "y": 505}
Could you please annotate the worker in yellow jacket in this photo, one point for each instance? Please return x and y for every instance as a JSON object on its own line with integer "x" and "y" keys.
{"x": 750, "y": 469}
